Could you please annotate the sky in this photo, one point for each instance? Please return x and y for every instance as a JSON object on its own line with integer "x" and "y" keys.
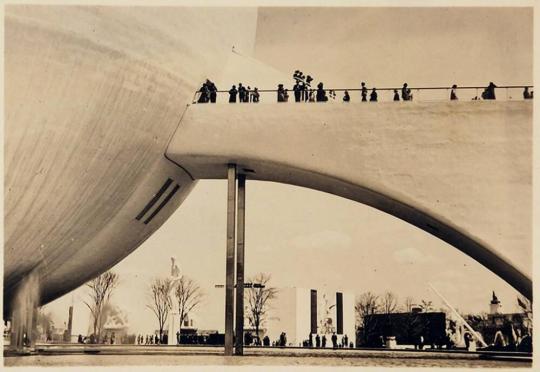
{"x": 310, "y": 239}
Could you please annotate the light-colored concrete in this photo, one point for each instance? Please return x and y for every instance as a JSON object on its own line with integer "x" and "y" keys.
{"x": 458, "y": 170}
{"x": 92, "y": 96}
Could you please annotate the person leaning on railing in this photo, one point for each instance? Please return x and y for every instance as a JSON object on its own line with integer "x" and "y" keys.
{"x": 232, "y": 94}
{"x": 453, "y": 95}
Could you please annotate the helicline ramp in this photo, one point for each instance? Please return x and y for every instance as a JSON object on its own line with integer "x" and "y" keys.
{"x": 460, "y": 171}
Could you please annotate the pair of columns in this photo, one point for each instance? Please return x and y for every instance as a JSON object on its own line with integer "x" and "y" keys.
{"x": 235, "y": 213}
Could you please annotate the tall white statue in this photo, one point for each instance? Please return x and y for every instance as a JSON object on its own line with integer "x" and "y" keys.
{"x": 174, "y": 316}
{"x": 174, "y": 280}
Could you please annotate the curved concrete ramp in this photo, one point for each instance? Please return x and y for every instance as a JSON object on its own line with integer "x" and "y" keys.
{"x": 461, "y": 171}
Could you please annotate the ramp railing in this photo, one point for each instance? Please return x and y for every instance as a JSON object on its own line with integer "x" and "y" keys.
{"x": 385, "y": 94}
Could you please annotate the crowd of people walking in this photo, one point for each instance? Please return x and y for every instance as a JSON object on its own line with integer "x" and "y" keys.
{"x": 304, "y": 92}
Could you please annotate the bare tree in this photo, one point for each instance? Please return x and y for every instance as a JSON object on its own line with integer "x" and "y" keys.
{"x": 189, "y": 295}
{"x": 161, "y": 302}
{"x": 426, "y": 306}
{"x": 409, "y": 302}
{"x": 389, "y": 303}
{"x": 367, "y": 305}
{"x": 100, "y": 292}
{"x": 259, "y": 297}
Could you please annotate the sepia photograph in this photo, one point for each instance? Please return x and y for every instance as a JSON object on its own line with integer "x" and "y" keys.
{"x": 236, "y": 184}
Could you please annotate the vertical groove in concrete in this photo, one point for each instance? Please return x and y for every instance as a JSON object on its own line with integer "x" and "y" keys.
{"x": 240, "y": 234}
{"x": 229, "y": 275}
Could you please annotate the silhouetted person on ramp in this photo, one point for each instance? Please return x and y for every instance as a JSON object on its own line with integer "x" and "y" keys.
{"x": 453, "y": 94}
{"x": 280, "y": 93}
{"x": 396, "y": 95}
{"x": 241, "y": 93}
{"x": 317, "y": 340}
{"x": 405, "y": 93}
{"x": 297, "y": 89}
{"x": 232, "y": 94}
{"x": 212, "y": 89}
{"x": 323, "y": 340}
{"x": 489, "y": 92}
{"x": 346, "y": 97}
{"x": 364, "y": 92}
{"x": 321, "y": 93}
{"x": 255, "y": 95}
{"x": 334, "y": 340}
{"x": 373, "y": 95}
{"x": 204, "y": 94}
{"x": 526, "y": 93}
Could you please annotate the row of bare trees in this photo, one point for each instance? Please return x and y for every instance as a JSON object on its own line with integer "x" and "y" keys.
{"x": 189, "y": 295}
{"x": 187, "y": 292}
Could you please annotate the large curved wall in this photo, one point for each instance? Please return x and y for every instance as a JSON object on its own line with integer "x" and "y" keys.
{"x": 92, "y": 96}
{"x": 461, "y": 171}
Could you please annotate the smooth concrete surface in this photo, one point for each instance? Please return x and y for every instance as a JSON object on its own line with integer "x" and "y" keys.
{"x": 80, "y": 355}
{"x": 92, "y": 97}
{"x": 461, "y": 171}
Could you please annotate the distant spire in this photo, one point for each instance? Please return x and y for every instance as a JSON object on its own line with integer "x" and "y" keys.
{"x": 494, "y": 299}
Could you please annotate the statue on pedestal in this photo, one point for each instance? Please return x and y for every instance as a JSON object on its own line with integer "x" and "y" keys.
{"x": 174, "y": 314}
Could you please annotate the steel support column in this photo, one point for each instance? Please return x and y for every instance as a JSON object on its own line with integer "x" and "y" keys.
{"x": 240, "y": 234}
{"x": 229, "y": 275}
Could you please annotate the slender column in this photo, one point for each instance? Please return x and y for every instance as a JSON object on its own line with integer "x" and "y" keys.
{"x": 241, "y": 218}
{"x": 229, "y": 275}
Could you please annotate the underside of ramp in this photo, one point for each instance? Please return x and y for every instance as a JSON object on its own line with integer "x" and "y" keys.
{"x": 461, "y": 171}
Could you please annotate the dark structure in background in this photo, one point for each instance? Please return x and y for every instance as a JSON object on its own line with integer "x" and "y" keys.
{"x": 313, "y": 307}
{"x": 339, "y": 311}
{"x": 406, "y": 327}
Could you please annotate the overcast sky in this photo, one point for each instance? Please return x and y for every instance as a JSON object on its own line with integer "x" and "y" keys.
{"x": 309, "y": 239}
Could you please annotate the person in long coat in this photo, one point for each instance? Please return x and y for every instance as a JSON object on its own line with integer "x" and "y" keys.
{"x": 232, "y": 94}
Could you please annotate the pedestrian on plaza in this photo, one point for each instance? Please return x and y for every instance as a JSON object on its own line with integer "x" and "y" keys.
{"x": 346, "y": 97}
{"x": 345, "y": 340}
{"x": 323, "y": 340}
{"x": 311, "y": 340}
{"x": 373, "y": 95}
{"x": 364, "y": 92}
{"x": 286, "y": 95}
{"x": 396, "y": 95}
{"x": 468, "y": 339}
{"x": 156, "y": 339}
{"x": 248, "y": 94}
{"x": 232, "y": 94}
{"x": 334, "y": 340}
{"x": 453, "y": 95}
{"x": 317, "y": 340}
